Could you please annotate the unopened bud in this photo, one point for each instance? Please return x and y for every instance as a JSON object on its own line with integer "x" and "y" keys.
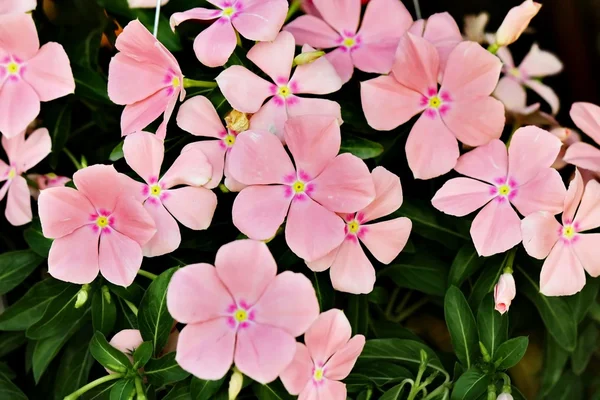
{"x": 235, "y": 384}
{"x": 106, "y": 294}
{"x": 491, "y": 392}
{"x": 82, "y": 296}
{"x": 237, "y": 121}
{"x": 308, "y": 57}
{"x": 505, "y": 396}
{"x": 516, "y": 21}
{"x": 484, "y": 353}
{"x": 504, "y": 291}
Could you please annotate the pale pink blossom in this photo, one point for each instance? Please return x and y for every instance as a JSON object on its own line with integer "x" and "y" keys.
{"x": 189, "y": 203}
{"x": 584, "y": 155}
{"x": 568, "y": 137}
{"x": 350, "y": 269}
{"x": 247, "y": 92}
{"x": 100, "y": 227}
{"x": 536, "y": 64}
{"x": 522, "y": 177}
{"x": 143, "y": 58}
{"x": 516, "y": 21}
{"x": 45, "y": 181}
{"x": 327, "y": 357}
{"x": 370, "y": 48}
{"x": 28, "y": 73}
{"x": 568, "y": 249}
{"x": 145, "y": 3}
{"x": 505, "y": 396}
{"x": 23, "y": 154}
{"x": 461, "y": 109}
{"x": 128, "y": 340}
{"x": 17, "y": 6}
{"x": 256, "y": 20}
{"x": 241, "y": 312}
{"x": 504, "y": 292}
{"x": 309, "y": 191}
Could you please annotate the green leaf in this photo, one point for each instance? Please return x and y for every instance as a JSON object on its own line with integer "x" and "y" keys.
{"x": 161, "y": 371}
{"x": 323, "y": 288}
{"x": 384, "y": 329}
{"x": 101, "y": 392}
{"x": 586, "y": 346}
{"x": 394, "y": 393}
{"x": 181, "y": 391}
{"x": 142, "y": 354}
{"x": 379, "y": 374}
{"x": 75, "y": 365}
{"x": 271, "y": 391}
{"x": 555, "y": 360}
{"x": 581, "y": 302}
{"x": 360, "y": 147}
{"x": 492, "y": 326}
{"x": 104, "y": 311}
{"x": 422, "y": 272}
{"x": 153, "y": 317}
{"x": 9, "y": 390}
{"x": 126, "y": 319}
{"x": 62, "y": 129}
{"x": 15, "y": 266}
{"x": 166, "y": 36}
{"x": 35, "y": 239}
{"x": 487, "y": 280}
{"x": 107, "y": 355}
{"x": 358, "y": 314}
{"x": 462, "y": 327}
{"x": 510, "y": 352}
{"x": 204, "y": 390}
{"x": 90, "y": 85}
{"x": 237, "y": 58}
{"x": 569, "y": 387}
{"x": 122, "y": 389}
{"x": 470, "y": 385}
{"x": 6, "y": 371}
{"x": 10, "y": 341}
{"x": 465, "y": 264}
{"x": 117, "y": 153}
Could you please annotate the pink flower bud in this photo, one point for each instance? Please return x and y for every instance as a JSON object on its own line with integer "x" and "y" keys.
{"x": 516, "y": 21}
{"x": 505, "y": 396}
{"x": 504, "y": 292}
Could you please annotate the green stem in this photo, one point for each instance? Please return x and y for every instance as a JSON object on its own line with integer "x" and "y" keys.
{"x": 139, "y": 389}
{"x": 436, "y": 392}
{"x": 188, "y": 83}
{"x": 82, "y": 128}
{"x": 390, "y": 306}
{"x": 510, "y": 259}
{"x": 147, "y": 274}
{"x": 131, "y": 306}
{"x": 493, "y": 48}
{"x": 76, "y": 163}
{"x": 410, "y": 310}
{"x": 92, "y": 385}
{"x": 294, "y": 7}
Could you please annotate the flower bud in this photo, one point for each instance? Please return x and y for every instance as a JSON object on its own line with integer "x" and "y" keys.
{"x": 504, "y": 292}
{"x": 235, "y": 384}
{"x": 308, "y": 57}
{"x": 82, "y": 296}
{"x": 237, "y": 121}
{"x": 505, "y": 396}
{"x": 516, "y": 21}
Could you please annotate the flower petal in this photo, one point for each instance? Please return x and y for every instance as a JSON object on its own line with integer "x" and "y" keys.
{"x": 126, "y": 341}
{"x": 475, "y": 122}
{"x": 587, "y": 118}
{"x": 562, "y": 273}
{"x": 342, "y": 61}
{"x": 270, "y": 118}
{"x": 583, "y": 155}
{"x": 261, "y": 20}
{"x": 18, "y": 35}
{"x": 385, "y": 240}
{"x": 441, "y": 30}
{"x": 328, "y": 334}
{"x": 545, "y": 192}
{"x": 308, "y": 29}
{"x": 215, "y": 153}
{"x": 341, "y": 363}
{"x": 488, "y": 163}
{"x": 100, "y": 184}
{"x": 546, "y": 93}
{"x": 197, "y": 13}
{"x": 462, "y": 196}
{"x": 530, "y": 150}
{"x": 17, "y": 6}
{"x": 74, "y": 257}
{"x": 388, "y": 195}
{"x": 139, "y": 115}
{"x": 496, "y": 228}
{"x": 299, "y": 373}
{"x": 192, "y": 168}
{"x": 417, "y": 64}
{"x": 587, "y": 250}
{"x": 303, "y": 106}
{"x": 244, "y": 90}
{"x": 132, "y": 220}
{"x": 510, "y": 92}
{"x": 317, "y": 77}
{"x": 199, "y": 117}
{"x": 540, "y": 63}
{"x": 62, "y": 210}
{"x": 573, "y": 197}
{"x": 384, "y": 22}
{"x": 35, "y": 148}
{"x": 18, "y": 204}
{"x": 327, "y": 389}
{"x": 342, "y": 15}
{"x": 540, "y": 233}
{"x": 374, "y": 57}
{"x": 49, "y": 72}
{"x": 193, "y": 207}
{"x": 588, "y": 213}
{"x": 324, "y": 262}
{"x": 215, "y": 44}
{"x": 19, "y": 106}
{"x": 352, "y": 272}
{"x": 258, "y": 211}
{"x": 144, "y": 154}
{"x": 120, "y": 258}
{"x": 275, "y": 58}
{"x": 167, "y": 237}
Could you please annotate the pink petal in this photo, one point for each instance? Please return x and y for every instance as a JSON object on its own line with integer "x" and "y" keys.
{"x": 312, "y": 231}
{"x": 342, "y": 62}
{"x": 74, "y": 257}
{"x": 583, "y": 155}
{"x": 341, "y": 363}
{"x": 232, "y": 185}
{"x": 562, "y": 273}
{"x": 262, "y": 352}
{"x": 246, "y": 268}
{"x": 317, "y": 77}
{"x": 215, "y": 153}
{"x": 475, "y": 121}
{"x": 167, "y": 237}
{"x": 546, "y": 93}
{"x": 215, "y": 44}
{"x": 4, "y": 189}
{"x": 120, "y": 258}
{"x": 193, "y": 207}
{"x": 417, "y": 64}
{"x": 573, "y": 197}
{"x": 261, "y": 20}
{"x": 327, "y": 335}
{"x": 196, "y": 294}
{"x": 342, "y": 15}
{"x": 270, "y": 163}
{"x": 133, "y": 188}
{"x": 313, "y": 141}
{"x": 258, "y": 211}
{"x": 388, "y": 195}
{"x": 270, "y": 118}
{"x": 431, "y": 148}
{"x": 441, "y": 30}
{"x": 352, "y": 272}
{"x": 18, "y": 35}
{"x": 587, "y": 250}
{"x": 62, "y": 210}
{"x": 197, "y": 13}
{"x": 19, "y": 106}
{"x": 471, "y": 72}
{"x": 289, "y": 303}
{"x": 145, "y": 3}
{"x": 506, "y": 57}
{"x": 588, "y": 213}
{"x": 530, "y": 150}
{"x": 308, "y": 29}
{"x": 17, "y": 6}
{"x": 192, "y": 168}
{"x": 144, "y": 153}
{"x": 324, "y": 262}
{"x": 161, "y": 131}
{"x": 275, "y": 58}
{"x": 49, "y": 72}
{"x": 374, "y": 57}
{"x": 327, "y": 389}
{"x": 487, "y": 163}
{"x": 496, "y": 228}
{"x": 138, "y": 116}
{"x": 462, "y": 196}
{"x": 344, "y": 186}
{"x": 384, "y": 23}
{"x": 125, "y": 74}
{"x": 101, "y": 184}
{"x": 540, "y": 63}
{"x": 587, "y": 118}
{"x": 37, "y": 146}
{"x": 199, "y": 117}
{"x": 132, "y": 220}
{"x": 206, "y": 349}
{"x": 540, "y": 233}
{"x": 545, "y": 192}
{"x": 516, "y": 21}
{"x": 18, "y": 205}
{"x": 510, "y": 92}
{"x": 385, "y": 240}
{"x": 244, "y": 90}
{"x": 12, "y": 147}
{"x": 388, "y": 104}
{"x": 299, "y": 373}
{"x": 126, "y": 341}
{"x": 310, "y": 106}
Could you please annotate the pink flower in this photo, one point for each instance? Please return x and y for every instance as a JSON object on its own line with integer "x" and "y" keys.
{"x": 504, "y": 292}
{"x": 583, "y": 155}
{"x": 45, "y": 181}
{"x": 199, "y": 117}
{"x": 327, "y": 357}
{"x": 461, "y": 109}
{"x": 128, "y": 340}
{"x": 145, "y": 3}
{"x": 351, "y": 271}
{"x": 522, "y": 178}
{"x": 370, "y": 48}
{"x": 240, "y": 312}
{"x": 99, "y": 227}
{"x": 568, "y": 137}
{"x": 142, "y": 58}
{"x": 256, "y": 20}
{"x": 23, "y": 154}
{"x": 536, "y": 64}
{"x": 17, "y": 6}
{"x": 191, "y": 205}
{"x": 28, "y": 74}
{"x": 567, "y": 249}
{"x": 247, "y": 92}
{"x": 516, "y": 21}
{"x": 320, "y": 185}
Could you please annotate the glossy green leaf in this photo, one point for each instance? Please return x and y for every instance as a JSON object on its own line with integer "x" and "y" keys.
{"x": 555, "y": 359}
{"x": 379, "y": 374}
{"x": 15, "y": 266}
{"x": 491, "y": 325}
{"x": 204, "y": 390}
{"x": 325, "y": 293}
{"x": 74, "y": 366}
{"x": 10, "y": 341}
{"x": 510, "y": 352}
{"x": 357, "y": 312}
{"x": 122, "y": 390}
{"x": 117, "y": 153}
{"x": 9, "y": 390}
{"x": 581, "y": 302}
{"x": 107, "y": 355}
{"x": 181, "y": 391}
{"x": 395, "y": 392}
{"x": 360, "y": 147}
{"x": 587, "y": 344}
{"x": 161, "y": 371}
{"x": 104, "y": 311}
{"x": 462, "y": 326}
{"x": 271, "y": 391}
{"x": 569, "y": 387}
{"x": 142, "y": 354}
{"x": 422, "y": 272}
{"x": 465, "y": 264}
{"x": 487, "y": 280}
{"x": 470, "y": 385}
{"x": 90, "y": 84}
{"x": 35, "y": 239}
{"x": 61, "y": 129}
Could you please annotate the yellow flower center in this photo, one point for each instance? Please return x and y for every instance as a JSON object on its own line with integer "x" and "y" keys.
{"x": 515, "y": 72}
{"x": 318, "y": 375}
{"x": 568, "y": 232}
{"x": 435, "y": 102}
{"x": 13, "y": 68}
{"x": 349, "y": 42}
{"x": 298, "y": 187}
{"x": 155, "y": 190}
{"x": 284, "y": 91}
{"x": 176, "y": 82}
{"x": 229, "y": 140}
{"x": 228, "y": 11}
{"x": 504, "y": 190}
{"x": 12, "y": 173}
{"x": 353, "y": 226}
{"x": 240, "y": 315}
{"x": 102, "y": 222}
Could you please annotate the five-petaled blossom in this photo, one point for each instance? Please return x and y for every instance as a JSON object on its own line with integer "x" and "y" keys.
{"x": 28, "y": 73}
{"x": 99, "y": 227}
{"x": 350, "y": 269}
{"x": 587, "y": 117}
{"x": 23, "y": 154}
{"x": 193, "y": 206}
{"x": 536, "y": 64}
{"x": 504, "y": 292}
{"x": 516, "y": 21}
{"x": 247, "y": 92}
{"x": 143, "y": 58}
{"x": 310, "y": 193}
{"x": 241, "y": 312}
{"x": 45, "y": 181}
{"x": 370, "y": 48}
{"x": 461, "y": 109}
{"x": 17, "y": 6}
{"x": 256, "y": 20}
{"x": 567, "y": 248}
{"x": 523, "y": 178}
{"x": 327, "y": 357}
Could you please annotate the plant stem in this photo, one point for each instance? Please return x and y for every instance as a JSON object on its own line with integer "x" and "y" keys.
{"x": 76, "y": 163}
{"x": 156, "y": 17}
{"x": 436, "y": 392}
{"x": 147, "y": 274}
{"x": 139, "y": 389}
{"x": 294, "y": 7}
{"x": 93, "y": 384}
{"x": 410, "y": 310}
{"x": 188, "y": 83}
{"x": 417, "y": 8}
{"x": 390, "y": 306}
